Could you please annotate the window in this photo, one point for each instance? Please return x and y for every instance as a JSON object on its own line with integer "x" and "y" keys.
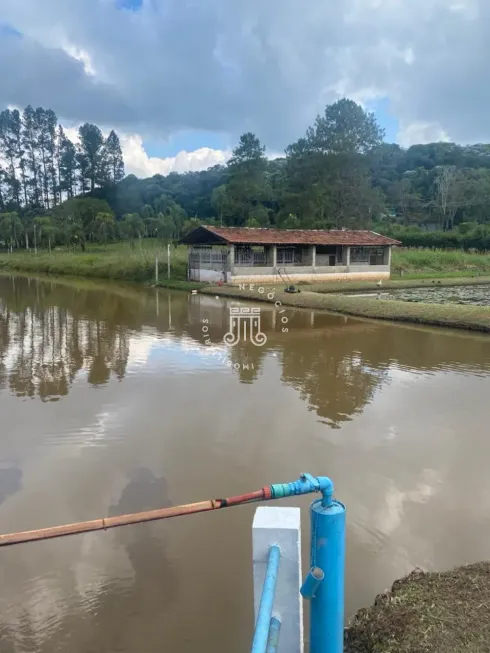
{"x": 377, "y": 256}
{"x": 360, "y": 255}
{"x": 367, "y": 255}
{"x": 289, "y": 256}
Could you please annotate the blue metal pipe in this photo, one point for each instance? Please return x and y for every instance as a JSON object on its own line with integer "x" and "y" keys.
{"x": 328, "y": 553}
{"x": 274, "y": 632}
{"x": 261, "y": 635}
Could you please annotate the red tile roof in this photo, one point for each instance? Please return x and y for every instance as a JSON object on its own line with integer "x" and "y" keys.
{"x": 249, "y": 236}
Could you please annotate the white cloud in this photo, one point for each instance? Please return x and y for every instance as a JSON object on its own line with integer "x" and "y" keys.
{"x": 82, "y": 56}
{"x": 421, "y": 132}
{"x": 140, "y": 164}
{"x": 137, "y": 162}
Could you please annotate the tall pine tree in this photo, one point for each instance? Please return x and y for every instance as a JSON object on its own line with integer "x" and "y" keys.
{"x": 91, "y": 149}
{"x": 30, "y": 146}
{"x": 113, "y": 163}
{"x": 67, "y": 164}
{"x": 9, "y": 147}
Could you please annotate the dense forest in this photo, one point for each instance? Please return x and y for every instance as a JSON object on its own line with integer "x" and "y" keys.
{"x": 341, "y": 173}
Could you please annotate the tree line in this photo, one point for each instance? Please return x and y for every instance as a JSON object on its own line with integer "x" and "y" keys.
{"x": 40, "y": 166}
{"x": 341, "y": 173}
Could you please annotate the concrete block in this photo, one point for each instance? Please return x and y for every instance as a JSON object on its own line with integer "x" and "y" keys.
{"x": 281, "y": 526}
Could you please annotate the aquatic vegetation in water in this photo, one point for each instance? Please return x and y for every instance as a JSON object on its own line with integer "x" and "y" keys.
{"x": 465, "y": 295}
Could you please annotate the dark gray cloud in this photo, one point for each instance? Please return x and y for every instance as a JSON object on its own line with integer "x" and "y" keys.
{"x": 266, "y": 66}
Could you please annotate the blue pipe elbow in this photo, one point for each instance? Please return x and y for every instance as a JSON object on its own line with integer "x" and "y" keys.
{"x": 305, "y": 485}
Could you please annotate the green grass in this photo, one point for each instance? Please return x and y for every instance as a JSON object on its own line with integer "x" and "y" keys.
{"x": 116, "y": 261}
{"x": 473, "y": 318}
{"x": 123, "y": 262}
{"x": 438, "y": 262}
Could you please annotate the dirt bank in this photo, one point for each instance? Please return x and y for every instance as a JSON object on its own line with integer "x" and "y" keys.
{"x": 427, "y": 613}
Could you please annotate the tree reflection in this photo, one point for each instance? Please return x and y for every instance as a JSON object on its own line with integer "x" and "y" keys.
{"x": 50, "y": 335}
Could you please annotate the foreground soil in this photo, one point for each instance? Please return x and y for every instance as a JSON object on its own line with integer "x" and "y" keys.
{"x": 427, "y": 613}
{"x": 472, "y": 318}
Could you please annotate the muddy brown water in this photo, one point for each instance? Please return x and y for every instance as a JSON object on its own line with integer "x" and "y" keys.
{"x": 110, "y": 402}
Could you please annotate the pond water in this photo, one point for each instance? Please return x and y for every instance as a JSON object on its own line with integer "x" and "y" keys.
{"x": 111, "y": 402}
{"x": 433, "y": 294}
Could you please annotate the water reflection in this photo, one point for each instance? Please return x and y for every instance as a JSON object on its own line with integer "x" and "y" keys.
{"x": 149, "y": 415}
{"x": 53, "y": 335}
{"x": 93, "y": 623}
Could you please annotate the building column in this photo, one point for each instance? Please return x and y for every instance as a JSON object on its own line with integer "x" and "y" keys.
{"x": 231, "y": 262}
{"x": 346, "y": 256}
{"x": 387, "y": 256}
{"x": 313, "y": 256}
{"x": 274, "y": 258}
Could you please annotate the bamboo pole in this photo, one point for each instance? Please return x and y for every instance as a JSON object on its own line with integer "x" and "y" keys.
{"x": 134, "y": 518}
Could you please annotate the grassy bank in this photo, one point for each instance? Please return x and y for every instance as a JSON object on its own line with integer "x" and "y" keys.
{"x": 438, "y": 263}
{"x": 427, "y": 612}
{"x": 136, "y": 262}
{"x": 474, "y": 318}
{"x": 119, "y": 261}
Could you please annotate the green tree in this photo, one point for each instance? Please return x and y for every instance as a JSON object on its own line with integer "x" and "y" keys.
{"x": 147, "y": 212}
{"x": 9, "y": 148}
{"x": 45, "y": 126}
{"x": 67, "y": 165}
{"x": 331, "y": 166}
{"x": 92, "y": 159}
{"x": 190, "y": 225}
{"x": 30, "y": 146}
{"x": 113, "y": 159}
{"x": 132, "y": 227}
{"x": 75, "y": 218}
{"x": 259, "y": 213}
{"x": 252, "y": 223}
{"x": 168, "y": 229}
{"x": 45, "y": 230}
{"x": 345, "y": 129}
{"x": 291, "y": 222}
{"x": 10, "y": 229}
{"x": 104, "y": 226}
{"x": 2, "y": 189}
{"x": 219, "y": 200}
{"x": 247, "y": 184}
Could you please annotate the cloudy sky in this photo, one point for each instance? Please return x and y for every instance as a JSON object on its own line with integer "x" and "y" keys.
{"x": 180, "y": 80}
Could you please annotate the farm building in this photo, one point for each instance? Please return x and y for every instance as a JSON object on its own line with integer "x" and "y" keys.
{"x": 245, "y": 255}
